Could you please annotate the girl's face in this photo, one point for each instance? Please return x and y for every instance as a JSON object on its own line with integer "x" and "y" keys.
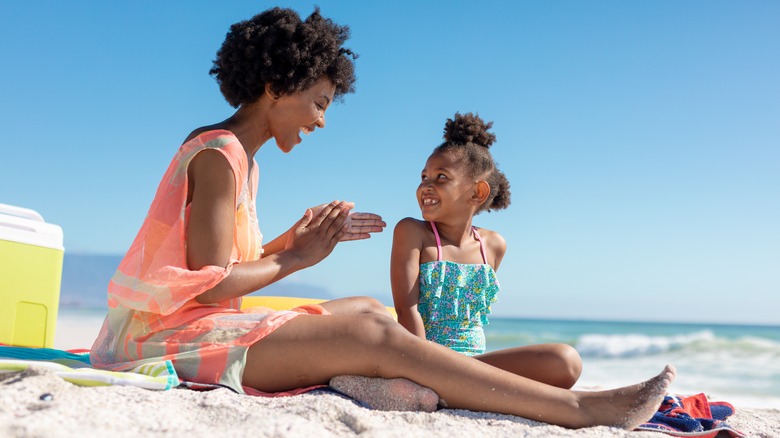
{"x": 445, "y": 189}
{"x": 302, "y": 111}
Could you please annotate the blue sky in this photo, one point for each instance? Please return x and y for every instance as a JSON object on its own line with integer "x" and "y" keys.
{"x": 641, "y": 139}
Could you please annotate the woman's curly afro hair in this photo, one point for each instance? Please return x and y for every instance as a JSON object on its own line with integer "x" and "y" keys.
{"x": 276, "y": 48}
{"x": 468, "y": 136}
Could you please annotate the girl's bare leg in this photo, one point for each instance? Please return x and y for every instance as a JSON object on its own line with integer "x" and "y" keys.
{"x": 311, "y": 350}
{"x": 554, "y": 364}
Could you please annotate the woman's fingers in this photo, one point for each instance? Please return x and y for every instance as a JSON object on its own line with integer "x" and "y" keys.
{"x": 330, "y": 221}
{"x": 340, "y": 225}
{"x": 366, "y": 220}
{"x": 325, "y": 213}
{"x": 358, "y": 226}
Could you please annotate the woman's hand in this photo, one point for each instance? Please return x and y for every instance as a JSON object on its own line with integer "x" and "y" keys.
{"x": 358, "y": 226}
{"x": 317, "y": 233}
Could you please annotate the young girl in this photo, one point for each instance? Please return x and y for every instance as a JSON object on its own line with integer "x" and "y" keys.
{"x": 443, "y": 268}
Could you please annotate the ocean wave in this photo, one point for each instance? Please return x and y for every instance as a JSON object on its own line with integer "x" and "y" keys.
{"x": 705, "y": 341}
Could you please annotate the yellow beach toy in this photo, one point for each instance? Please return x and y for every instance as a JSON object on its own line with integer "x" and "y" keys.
{"x": 286, "y": 303}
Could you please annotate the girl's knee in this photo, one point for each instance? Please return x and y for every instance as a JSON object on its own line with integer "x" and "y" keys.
{"x": 570, "y": 365}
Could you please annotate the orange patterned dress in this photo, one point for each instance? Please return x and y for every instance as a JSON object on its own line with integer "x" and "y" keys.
{"x": 152, "y": 311}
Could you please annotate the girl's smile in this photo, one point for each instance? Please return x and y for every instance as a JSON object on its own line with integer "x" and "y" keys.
{"x": 443, "y": 190}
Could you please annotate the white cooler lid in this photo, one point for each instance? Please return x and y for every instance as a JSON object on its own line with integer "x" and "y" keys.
{"x": 22, "y": 225}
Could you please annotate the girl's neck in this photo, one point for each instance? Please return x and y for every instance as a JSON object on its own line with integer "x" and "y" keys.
{"x": 456, "y": 233}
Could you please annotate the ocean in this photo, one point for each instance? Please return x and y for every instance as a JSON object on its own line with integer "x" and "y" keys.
{"x": 739, "y": 364}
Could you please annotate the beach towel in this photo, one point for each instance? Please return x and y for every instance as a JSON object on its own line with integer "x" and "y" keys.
{"x": 75, "y": 368}
{"x": 691, "y": 416}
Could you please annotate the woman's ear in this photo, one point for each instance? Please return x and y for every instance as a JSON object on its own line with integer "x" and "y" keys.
{"x": 271, "y": 93}
{"x": 481, "y": 192}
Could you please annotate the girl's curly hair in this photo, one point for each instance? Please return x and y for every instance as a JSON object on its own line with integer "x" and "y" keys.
{"x": 468, "y": 135}
{"x": 276, "y": 48}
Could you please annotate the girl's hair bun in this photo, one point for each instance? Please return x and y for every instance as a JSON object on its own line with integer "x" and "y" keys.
{"x": 468, "y": 128}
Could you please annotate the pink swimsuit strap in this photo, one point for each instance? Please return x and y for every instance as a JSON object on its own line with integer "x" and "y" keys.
{"x": 476, "y": 235}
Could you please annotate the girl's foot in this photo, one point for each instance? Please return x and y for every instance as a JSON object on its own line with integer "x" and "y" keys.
{"x": 387, "y": 394}
{"x": 627, "y": 407}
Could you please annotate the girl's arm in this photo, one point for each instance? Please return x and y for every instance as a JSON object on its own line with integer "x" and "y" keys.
{"x": 497, "y": 246}
{"x": 404, "y": 274}
{"x": 210, "y": 233}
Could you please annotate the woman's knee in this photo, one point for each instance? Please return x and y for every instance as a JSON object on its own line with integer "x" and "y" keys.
{"x": 356, "y": 305}
{"x": 378, "y": 331}
{"x": 372, "y": 305}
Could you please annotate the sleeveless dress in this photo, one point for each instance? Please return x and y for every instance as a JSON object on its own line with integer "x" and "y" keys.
{"x": 455, "y": 300}
{"x": 152, "y": 312}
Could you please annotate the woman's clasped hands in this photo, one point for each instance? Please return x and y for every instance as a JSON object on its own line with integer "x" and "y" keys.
{"x": 316, "y": 234}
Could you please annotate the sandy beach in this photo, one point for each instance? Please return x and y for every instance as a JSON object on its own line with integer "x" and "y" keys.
{"x": 36, "y": 403}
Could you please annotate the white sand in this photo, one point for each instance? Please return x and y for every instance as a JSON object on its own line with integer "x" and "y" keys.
{"x": 35, "y": 403}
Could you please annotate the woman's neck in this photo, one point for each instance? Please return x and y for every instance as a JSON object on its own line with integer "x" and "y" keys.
{"x": 249, "y": 126}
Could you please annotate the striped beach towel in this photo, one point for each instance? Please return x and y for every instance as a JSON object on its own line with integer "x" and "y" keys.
{"x": 75, "y": 368}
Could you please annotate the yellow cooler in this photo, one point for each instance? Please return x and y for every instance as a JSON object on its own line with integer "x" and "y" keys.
{"x": 31, "y": 254}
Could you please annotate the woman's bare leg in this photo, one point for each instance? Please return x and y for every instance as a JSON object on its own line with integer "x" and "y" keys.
{"x": 382, "y": 394}
{"x": 311, "y": 350}
{"x": 554, "y": 364}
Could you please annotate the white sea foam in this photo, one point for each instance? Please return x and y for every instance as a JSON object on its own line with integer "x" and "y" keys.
{"x": 738, "y": 364}
{"x": 631, "y": 345}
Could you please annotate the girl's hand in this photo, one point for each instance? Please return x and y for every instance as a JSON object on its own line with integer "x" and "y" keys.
{"x": 317, "y": 233}
{"x": 358, "y": 226}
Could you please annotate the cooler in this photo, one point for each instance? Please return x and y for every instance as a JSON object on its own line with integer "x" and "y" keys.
{"x": 31, "y": 255}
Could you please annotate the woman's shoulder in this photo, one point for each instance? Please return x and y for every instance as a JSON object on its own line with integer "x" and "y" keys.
{"x": 209, "y": 133}
{"x": 217, "y": 139}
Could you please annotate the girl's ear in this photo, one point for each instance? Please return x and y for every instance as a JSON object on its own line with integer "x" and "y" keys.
{"x": 481, "y": 192}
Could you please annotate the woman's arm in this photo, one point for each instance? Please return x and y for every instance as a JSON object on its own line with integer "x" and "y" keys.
{"x": 404, "y": 274}
{"x": 210, "y": 233}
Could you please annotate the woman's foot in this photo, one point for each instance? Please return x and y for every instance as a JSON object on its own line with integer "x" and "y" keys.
{"x": 627, "y": 407}
{"x": 387, "y": 394}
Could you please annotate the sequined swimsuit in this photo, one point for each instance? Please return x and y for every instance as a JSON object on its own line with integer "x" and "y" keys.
{"x": 455, "y": 300}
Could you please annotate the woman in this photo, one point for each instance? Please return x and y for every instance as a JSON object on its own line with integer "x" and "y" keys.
{"x": 177, "y": 292}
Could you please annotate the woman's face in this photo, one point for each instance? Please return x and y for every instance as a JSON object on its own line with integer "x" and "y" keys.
{"x": 302, "y": 111}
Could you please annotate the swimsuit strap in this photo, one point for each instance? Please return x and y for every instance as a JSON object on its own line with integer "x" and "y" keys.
{"x": 438, "y": 240}
{"x": 476, "y": 235}
{"x": 481, "y": 245}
